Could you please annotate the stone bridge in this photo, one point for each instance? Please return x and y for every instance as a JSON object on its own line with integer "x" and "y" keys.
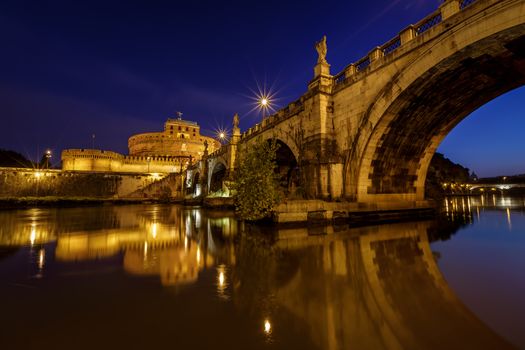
{"x": 494, "y": 186}
{"x": 367, "y": 134}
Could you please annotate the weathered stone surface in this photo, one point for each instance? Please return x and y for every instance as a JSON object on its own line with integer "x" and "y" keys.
{"x": 23, "y": 182}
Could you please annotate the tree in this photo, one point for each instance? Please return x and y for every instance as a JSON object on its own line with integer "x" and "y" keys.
{"x": 257, "y": 184}
{"x": 13, "y": 159}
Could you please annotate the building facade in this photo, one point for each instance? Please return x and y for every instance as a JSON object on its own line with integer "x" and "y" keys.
{"x": 167, "y": 151}
{"x": 179, "y": 138}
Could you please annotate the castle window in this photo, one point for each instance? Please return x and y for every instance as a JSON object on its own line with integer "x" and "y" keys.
{"x": 187, "y": 129}
{"x": 182, "y": 136}
{"x": 193, "y": 129}
{"x": 180, "y": 128}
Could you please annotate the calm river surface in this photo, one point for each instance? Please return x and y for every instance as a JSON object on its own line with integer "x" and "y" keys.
{"x": 147, "y": 276}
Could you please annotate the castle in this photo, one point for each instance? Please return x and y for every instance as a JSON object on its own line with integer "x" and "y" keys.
{"x": 167, "y": 151}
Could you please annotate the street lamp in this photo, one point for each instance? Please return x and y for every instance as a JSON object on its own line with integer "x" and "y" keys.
{"x": 264, "y": 104}
{"x": 48, "y": 156}
{"x": 222, "y": 135}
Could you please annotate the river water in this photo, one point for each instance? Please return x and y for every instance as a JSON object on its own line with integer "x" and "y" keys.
{"x": 146, "y": 276}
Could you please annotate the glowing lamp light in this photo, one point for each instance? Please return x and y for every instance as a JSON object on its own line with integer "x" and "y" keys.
{"x": 267, "y": 326}
{"x": 41, "y": 259}
{"x": 222, "y": 135}
{"x": 32, "y": 238}
{"x": 264, "y": 102}
{"x": 222, "y": 282}
{"x": 154, "y": 230}
{"x": 38, "y": 174}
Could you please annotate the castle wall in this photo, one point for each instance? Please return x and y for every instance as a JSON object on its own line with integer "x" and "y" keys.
{"x": 168, "y": 151}
{"x": 107, "y": 161}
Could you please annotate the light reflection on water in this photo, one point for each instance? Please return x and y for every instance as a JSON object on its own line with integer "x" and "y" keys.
{"x": 164, "y": 275}
{"x": 470, "y": 207}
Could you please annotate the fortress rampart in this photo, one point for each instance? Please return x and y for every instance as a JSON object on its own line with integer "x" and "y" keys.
{"x": 108, "y": 161}
{"x": 168, "y": 151}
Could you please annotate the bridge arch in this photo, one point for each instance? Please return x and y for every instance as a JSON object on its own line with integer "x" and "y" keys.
{"x": 196, "y": 184}
{"x": 287, "y": 166}
{"x": 285, "y": 139}
{"x": 466, "y": 66}
{"x": 218, "y": 172}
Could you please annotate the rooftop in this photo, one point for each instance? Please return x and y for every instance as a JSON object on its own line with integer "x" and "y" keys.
{"x": 180, "y": 121}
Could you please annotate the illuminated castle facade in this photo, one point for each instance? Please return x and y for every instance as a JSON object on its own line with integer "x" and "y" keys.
{"x": 167, "y": 151}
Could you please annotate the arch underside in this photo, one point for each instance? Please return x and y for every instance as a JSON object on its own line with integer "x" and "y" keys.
{"x": 286, "y": 167}
{"x": 424, "y": 113}
{"x": 217, "y": 176}
{"x": 195, "y": 184}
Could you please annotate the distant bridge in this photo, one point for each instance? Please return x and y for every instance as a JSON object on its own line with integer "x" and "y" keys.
{"x": 501, "y": 186}
{"x": 368, "y": 133}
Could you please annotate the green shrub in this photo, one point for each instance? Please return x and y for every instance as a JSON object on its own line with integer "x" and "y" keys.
{"x": 256, "y": 184}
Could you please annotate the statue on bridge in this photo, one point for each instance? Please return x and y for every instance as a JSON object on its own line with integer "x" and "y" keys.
{"x": 236, "y": 120}
{"x": 321, "y": 48}
{"x": 205, "y": 147}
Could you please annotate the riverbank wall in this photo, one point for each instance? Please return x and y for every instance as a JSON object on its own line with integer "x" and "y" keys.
{"x": 319, "y": 211}
{"x": 17, "y": 183}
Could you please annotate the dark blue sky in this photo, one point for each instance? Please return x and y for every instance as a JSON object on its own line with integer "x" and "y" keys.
{"x": 69, "y": 69}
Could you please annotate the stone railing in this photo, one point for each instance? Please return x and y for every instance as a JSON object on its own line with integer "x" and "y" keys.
{"x": 446, "y": 10}
{"x": 219, "y": 152}
{"x": 156, "y": 159}
{"x": 290, "y": 110}
{"x": 465, "y": 3}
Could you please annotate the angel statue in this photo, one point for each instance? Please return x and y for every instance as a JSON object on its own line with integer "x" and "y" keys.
{"x": 320, "y": 46}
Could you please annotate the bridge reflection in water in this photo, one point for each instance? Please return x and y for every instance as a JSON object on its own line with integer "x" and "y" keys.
{"x": 367, "y": 288}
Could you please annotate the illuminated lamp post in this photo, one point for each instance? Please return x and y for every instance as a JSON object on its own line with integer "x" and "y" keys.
{"x": 264, "y": 105}
{"x": 48, "y": 157}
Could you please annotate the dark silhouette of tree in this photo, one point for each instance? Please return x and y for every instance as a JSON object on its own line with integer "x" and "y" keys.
{"x": 14, "y": 159}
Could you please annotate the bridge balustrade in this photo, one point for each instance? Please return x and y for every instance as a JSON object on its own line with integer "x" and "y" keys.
{"x": 466, "y": 3}
{"x": 362, "y": 64}
{"x": 428, "y": 22}
{"x": 391, "y": 46}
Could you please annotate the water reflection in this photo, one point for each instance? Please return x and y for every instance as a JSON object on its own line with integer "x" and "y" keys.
{"x": 469, "y": 208}
{"x": 322, "y": 288}
{"x": 380, "y": 289}
{"x": 160, "y": 241}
